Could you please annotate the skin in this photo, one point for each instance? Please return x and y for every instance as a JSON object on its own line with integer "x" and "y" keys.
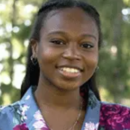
{"x": 66, "y": 40}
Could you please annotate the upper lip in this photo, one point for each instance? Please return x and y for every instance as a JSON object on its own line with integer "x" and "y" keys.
{"x": 71, "y": 66}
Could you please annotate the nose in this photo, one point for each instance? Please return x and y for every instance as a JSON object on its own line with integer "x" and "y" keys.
{"x": 72, "y": 52}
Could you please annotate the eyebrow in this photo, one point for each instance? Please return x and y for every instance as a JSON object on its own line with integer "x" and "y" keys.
{"x": 65, "y": 34}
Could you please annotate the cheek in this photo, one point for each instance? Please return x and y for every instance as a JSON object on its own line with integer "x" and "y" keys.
{"x": 47, "y": 55}
{"x": 92, "y": 60}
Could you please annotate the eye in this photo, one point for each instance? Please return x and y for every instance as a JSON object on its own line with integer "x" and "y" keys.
{"x": 87, "y": 45}
{"x": 57, "y": 41}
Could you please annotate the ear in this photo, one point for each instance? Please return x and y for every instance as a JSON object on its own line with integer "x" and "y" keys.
{"x": 34, "y": 46}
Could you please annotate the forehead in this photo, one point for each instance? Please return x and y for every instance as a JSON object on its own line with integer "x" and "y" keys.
{"x": 66, "y": 19}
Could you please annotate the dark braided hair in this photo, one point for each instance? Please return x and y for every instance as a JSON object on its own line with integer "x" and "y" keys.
{"x": 32, "y": 72}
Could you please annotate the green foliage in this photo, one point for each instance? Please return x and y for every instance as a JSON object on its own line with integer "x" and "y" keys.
{"x": 114, "y": 73}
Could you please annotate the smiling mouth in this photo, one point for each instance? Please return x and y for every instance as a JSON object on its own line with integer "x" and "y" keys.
{"x": 70, "y": 72}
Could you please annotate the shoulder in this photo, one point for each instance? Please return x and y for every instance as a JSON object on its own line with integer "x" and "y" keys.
{"x": 111, "y": 108}
{"x": 7, "y": 114}
{"x": 114, "y": 116}
{"x": 5, "y": 111}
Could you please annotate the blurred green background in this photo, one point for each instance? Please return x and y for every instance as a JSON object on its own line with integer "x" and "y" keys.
{"x": 16, "y": 18}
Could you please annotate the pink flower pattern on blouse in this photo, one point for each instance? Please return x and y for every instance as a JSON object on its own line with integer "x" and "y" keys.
{"x": 91, "y": 126}
{"x": 40, "y": 122}
{"x": 21, "y": 127}
{"x": 114, "y": 117}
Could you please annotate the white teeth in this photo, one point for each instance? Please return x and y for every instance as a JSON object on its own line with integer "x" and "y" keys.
{"x": 70, "y": 70}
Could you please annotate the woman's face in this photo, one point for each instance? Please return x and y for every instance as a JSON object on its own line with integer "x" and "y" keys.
{"x": 68, "y": 48}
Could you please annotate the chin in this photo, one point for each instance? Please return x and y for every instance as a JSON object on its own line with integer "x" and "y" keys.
{"x": 69, "y": 87}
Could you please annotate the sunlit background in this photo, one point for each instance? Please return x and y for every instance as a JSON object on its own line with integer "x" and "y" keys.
{"x": 16, "y": 19}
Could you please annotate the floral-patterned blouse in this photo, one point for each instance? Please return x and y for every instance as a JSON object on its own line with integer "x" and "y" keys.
{"x": 25, "y": 115}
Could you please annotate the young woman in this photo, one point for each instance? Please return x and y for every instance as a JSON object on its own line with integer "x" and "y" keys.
{"x": 59, "y": 90}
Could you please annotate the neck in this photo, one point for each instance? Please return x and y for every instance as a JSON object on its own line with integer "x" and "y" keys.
{"x": 54, "y": 97}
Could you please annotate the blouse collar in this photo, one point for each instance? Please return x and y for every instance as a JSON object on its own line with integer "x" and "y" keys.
{"x": 34, "y": 119}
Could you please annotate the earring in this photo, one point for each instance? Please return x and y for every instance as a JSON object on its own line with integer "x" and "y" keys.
{"x": 34, "y": 60}
{"x": 97, "y": 68}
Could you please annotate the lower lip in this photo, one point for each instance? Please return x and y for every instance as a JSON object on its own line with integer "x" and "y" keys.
{"x": 70, "y": 75}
